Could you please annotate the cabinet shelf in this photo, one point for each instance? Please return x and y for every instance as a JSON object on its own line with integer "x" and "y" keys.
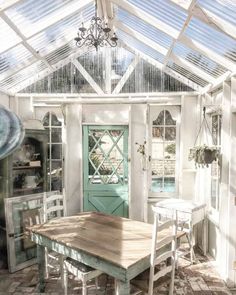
{"x": 25, "y": 167}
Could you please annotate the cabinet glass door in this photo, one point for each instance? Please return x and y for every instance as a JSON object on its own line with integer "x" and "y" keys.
{"x": 21, "y": 212}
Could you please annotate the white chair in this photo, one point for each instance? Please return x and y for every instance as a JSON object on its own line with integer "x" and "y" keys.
{"x": 163, "y": 253}
{"x": 54, "y": 207}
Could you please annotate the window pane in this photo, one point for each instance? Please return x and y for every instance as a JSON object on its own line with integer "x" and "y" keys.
{"x": 170, "y": 151}
{"x": 158, "y": 132}
{"x": 169, "y": 184}
{"x": 157, "y": 168}
{"x": 157, "y": 185}
{"x": 55, "y": 121}
{"x": 170, "y": 133}
{"x": 157, "y": 150}
{"x": 168, "y": 119}
{"x": 169, "y": 168}
{"x": 56, "y": 151}
{"x": 160, "y": 119}
{"x": 56, "y": 134}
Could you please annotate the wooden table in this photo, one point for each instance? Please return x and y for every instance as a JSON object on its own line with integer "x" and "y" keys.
{"x": 190, "y": 213}
{"x": 118, "y": 246}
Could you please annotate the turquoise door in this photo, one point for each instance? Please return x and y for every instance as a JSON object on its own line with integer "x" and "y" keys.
{"x": 105, "y": 165}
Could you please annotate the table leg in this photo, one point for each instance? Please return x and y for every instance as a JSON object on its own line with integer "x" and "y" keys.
{"x": 122, "y": 288}
{"x": 41, "y": 266}
{"x": 205, "y": 236}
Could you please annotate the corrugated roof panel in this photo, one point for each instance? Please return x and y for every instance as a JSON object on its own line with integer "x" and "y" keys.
{"x": 222, "y": 8}
{"x": 189, "y": 75}
{"x": 211, "y": 38}
{"x": 30, "y": 15}
{"x": 60, "y": 33}
{"x": 13, "y": 59}
{"x": 199, "y": 60}
{"x": 7, "y": 36}
{"x": 61, "y": 53}
{"x": 163, "y": 10}
{"x": 25, "y": 74}
{"x": 144, "y": 28}
{"x": 129, "y": 40}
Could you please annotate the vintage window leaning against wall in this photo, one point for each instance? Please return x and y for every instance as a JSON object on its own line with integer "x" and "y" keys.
{"x": 215, "y": 168}
{"x": 55, "y": 151}
{"x": 164, "y": 151}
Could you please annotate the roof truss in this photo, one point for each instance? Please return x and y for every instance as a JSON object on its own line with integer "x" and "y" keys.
{"x": 106, "y": 10}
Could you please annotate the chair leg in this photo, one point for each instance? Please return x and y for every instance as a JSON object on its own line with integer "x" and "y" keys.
{"x": 46, "y": 263}
{"x": 84, "y": 288}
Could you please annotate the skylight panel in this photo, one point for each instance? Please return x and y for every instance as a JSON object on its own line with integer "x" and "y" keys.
{"x": 26, "y": 73}
{"x": 199, "y": 60}
{"x": 13, "y": 59}
{"x": 189, "y": 75}
{"x": 60, "y": 33}
{"x": 144, "y": 28}
{"x": 163, "y": 10}
{"x": 221, "y": 8}
{"x": 7, "y": 36}
{"x": 31, "y": 16}
{"x": 126, "y": 38}
{"x": 211, "y": 38}
{"x": 61, "y": 53}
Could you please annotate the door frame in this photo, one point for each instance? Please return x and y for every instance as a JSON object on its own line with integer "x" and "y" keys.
{"x": 127, "y": 124}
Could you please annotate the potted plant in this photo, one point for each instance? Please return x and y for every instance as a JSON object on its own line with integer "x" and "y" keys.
{"x": 204, "y": 155}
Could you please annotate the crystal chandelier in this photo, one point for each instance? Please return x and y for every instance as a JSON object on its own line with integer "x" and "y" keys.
{"x": 98, "y": 34}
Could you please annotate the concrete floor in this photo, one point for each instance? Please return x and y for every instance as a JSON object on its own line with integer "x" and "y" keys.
{"x": 200, "y": 278}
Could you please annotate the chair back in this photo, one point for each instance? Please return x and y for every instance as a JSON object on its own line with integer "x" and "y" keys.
{"x": 53, "y": 205}
{"x": 163, "y": 253}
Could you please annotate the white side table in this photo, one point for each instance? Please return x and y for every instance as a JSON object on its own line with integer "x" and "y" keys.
{"x": 190, "y": 213}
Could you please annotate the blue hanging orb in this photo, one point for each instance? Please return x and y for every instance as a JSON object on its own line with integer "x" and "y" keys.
{"x": 11, "y": 132}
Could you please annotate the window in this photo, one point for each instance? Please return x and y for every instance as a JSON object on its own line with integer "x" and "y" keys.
{"x": 163, "y": 163}
{"x": 55, "y": 158}
{"x": 215, "y": 168}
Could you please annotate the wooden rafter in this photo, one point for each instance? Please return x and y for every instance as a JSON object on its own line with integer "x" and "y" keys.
{"x": 168, "y": 71}
{"x": 87, "y": 76}
{"x": 126, "y": 75}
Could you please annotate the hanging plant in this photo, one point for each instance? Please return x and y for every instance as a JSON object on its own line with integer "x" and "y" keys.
{"x": 204, "y": 154}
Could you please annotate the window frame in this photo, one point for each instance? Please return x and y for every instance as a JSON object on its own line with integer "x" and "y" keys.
{"x": 214, "y": 211}
{"x": 50, "y": 143}
{"x": 153, "y": 113}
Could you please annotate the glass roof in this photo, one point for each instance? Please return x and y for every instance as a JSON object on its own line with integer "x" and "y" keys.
{"x": 38, "y": 35}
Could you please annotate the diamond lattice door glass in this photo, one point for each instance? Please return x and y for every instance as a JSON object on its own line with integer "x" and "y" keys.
{"x": 106, "y": 169}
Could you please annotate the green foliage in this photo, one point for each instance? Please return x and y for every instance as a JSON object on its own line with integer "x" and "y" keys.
{"x": 170, "y": 148}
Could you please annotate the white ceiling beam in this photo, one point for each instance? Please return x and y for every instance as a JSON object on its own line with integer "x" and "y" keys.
{"x": 168, "y": 71}
{"x": 207, "y": 52}
{"x": 169, "y": 30}
{"x": 140, "y": 37}
{"x": 218, "y": 82}
{"x": 126, "y": 75}
{"x": 210, "y": 18}
{"x": 24, "y": 40}
{"x": 86, "y": 75}
{"x": 214, "y": 21}
{"x": 9, "y": 3}
{"x": 193, "y": 2}
{"x": 107, "y": 8}
{"x": 46, "y": 72}
{"x": 191, "y": 68}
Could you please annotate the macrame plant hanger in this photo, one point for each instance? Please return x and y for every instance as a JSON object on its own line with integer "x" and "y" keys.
{"x": 204, "y": 125}
{"x": 204, "y": 154}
